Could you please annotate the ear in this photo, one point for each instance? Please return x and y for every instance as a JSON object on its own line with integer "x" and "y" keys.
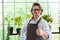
{"x": 31, "y": 10}
{"x": 41, "y": 12}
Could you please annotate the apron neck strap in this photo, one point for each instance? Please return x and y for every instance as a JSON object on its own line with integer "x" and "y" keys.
{"x": 38, "y": 21}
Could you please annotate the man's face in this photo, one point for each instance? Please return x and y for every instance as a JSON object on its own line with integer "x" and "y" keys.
{"x": 36, "y": 11}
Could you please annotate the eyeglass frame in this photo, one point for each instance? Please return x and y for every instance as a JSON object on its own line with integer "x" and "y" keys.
{"x": 36, "y": 9}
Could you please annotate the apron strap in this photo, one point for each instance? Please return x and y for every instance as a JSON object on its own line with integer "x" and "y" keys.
{"x": 30, "y": 20}
{"x": 38, "y": 21}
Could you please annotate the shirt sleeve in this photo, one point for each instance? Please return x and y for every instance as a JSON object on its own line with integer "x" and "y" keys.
{"x": 46, "y": 28}
{"x": 23, "y": 31}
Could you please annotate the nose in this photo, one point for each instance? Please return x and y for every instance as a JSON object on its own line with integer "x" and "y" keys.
{"x": 36, "y": 11}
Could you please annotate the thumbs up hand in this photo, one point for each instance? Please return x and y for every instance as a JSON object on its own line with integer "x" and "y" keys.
{"x": 39, "y": 32}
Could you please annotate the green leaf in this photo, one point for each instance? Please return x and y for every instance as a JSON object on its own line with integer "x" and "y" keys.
{"x": 47, "y": 18}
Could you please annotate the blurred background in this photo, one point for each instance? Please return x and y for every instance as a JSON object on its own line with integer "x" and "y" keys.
{"x": 14, "y": 13}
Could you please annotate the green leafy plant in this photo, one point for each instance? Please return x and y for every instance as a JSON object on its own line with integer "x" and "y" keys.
{"x": 48, "y": 18}
{"x": 18, "y": 21}
{"x": 28, "y": 16}
{"x": 8, "y": 20}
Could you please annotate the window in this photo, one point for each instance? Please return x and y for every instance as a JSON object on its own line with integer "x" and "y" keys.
{"x": 53, "y": 0}
{"x": 14, "y": 8}
{"x": 0, "y": 13}
{"x": 8, "y": 0}
{"x": 43, "y": 1}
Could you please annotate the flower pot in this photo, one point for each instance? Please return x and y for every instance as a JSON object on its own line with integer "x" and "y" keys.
{"x": 59, "y": 29}
{"x": 49, "y": 23}
{"x": 11, "y": 30}
{"x": 18, "y": 30}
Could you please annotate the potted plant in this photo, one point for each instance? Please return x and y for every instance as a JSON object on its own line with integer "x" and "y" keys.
{"x": 18, "y": 23}
{"x": 48, "y": 18}
{"x": 9, "y": 30}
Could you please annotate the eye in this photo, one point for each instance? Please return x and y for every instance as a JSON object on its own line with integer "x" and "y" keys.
{"x": 36, "y": 9}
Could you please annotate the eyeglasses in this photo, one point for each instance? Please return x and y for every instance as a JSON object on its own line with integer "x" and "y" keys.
{"x": 36, "y": 9}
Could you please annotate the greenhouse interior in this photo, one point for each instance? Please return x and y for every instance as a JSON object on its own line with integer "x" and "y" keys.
{"x": 14, "y": 13}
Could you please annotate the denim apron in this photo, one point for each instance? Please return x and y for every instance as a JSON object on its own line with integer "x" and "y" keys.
{"x": 31, "y": 31}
